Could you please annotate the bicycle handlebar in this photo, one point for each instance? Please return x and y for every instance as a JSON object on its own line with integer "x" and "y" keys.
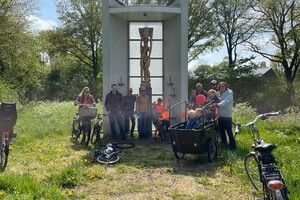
{"x": 260, "y": 116}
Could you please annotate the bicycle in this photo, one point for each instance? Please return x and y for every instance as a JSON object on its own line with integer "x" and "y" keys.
{"x": 82, "y": 123}
{"x": 95, "y": 137}
{"x": 260, "y": 164}
{"x": 8, "y": 118}
{"x": 112, "y": 153}
{"x": 161, "y": 127}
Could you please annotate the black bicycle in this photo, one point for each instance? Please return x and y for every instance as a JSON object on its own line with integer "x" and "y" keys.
{"x": 82, "y": 122}
{"x": 112, "y": 152}
{"x": 8, "y": 118}
{"x": 96, "y": 137}
{"x": 260, "y": 164}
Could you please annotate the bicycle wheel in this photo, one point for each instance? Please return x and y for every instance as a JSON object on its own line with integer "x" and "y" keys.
{"x": 278, "y": 194}
{"x": 212, "y": 150}
{"x": 3, "y": 156}
{"x": 252, "y": 170}
{"x": 162, "y": 133}
{"x": 104, "y": 159}
{"x": 124, "y": 145}
{"x": 179, "y": 155}
{"x": 95, "y": 137}
{"x": 233, "y": 129}
{"x": 75, "y": 129}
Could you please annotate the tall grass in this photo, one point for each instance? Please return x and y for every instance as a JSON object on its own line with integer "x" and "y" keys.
{"x": 45, "y": 164}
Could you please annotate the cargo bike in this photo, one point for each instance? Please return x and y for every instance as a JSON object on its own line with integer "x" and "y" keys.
{"x": 196, "y": 141}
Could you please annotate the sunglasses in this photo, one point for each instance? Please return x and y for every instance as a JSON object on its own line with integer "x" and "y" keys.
{"x": 87, "y": 91}
{"x": 143, "y": 90}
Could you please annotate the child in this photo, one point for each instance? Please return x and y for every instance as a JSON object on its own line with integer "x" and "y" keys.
{"x": 191, "y": 119}
{"x": 212, "y": 110}
{"x": 200, "y": 120}
{"x": 212, "y": 96}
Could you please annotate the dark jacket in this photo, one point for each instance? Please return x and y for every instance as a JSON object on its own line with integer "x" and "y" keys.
{"x": 128, "y": 103}
{"x": 114, "y": 103}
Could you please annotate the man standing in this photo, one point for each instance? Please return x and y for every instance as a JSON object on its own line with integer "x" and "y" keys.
{"x": 200, "y": 90}
{"x": 128, "y": 108}
{"x": 113, "y": 104}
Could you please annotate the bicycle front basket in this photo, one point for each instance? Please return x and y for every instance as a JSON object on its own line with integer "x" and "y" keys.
{"x": 87, "y": 112}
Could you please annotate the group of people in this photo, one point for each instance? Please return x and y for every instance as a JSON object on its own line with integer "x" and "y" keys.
{"x": 125, "y": 109}
{"x": 128, "y": 108}
{"x": 222, "y": 98}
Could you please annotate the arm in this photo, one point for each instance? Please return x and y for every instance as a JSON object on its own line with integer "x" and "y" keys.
{"x": 226, "y": 101}
{"x": 106, "y": 103}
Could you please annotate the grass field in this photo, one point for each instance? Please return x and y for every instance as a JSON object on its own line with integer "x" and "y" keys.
{"x": 45, "y": 164}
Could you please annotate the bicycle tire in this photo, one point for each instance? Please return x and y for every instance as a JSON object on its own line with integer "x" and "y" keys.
{"x": 233, "y": 129}
{"x": 124, "y": 145}
{"x": 3, "y": 156}
{"x": 278, "y": 194}
{"x": 212, "y": 150}
{"x": 162, "y": 133}
{"x": 252, "y": 169}
{"x": 75, "y": 129}
{"x": 103, "y": 159}
{"x": 95, "y": 137}
{"x": 179, "y": 155}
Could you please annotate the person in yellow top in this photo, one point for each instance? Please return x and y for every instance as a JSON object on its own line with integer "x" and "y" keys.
{"x": 143, "y": 110}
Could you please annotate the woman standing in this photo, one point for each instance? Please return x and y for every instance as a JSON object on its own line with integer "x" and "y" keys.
{"x": 143, "y": 110}
{"x": 225, "y": 114}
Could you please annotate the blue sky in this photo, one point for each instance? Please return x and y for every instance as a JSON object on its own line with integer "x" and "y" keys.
{"x": 47, "y": 19}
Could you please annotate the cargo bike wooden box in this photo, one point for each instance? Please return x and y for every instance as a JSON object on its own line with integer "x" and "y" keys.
{"x": 196, "y": 141}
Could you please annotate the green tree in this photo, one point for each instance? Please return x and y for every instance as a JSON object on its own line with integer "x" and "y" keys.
{"x": 236, "y": 23}
{"x": 19, "y": 66}
{"x": 80, "y": 36}
{"x": 281, "y": 21}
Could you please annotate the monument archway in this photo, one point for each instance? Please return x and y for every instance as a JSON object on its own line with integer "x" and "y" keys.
{"x": 167, "y": 50}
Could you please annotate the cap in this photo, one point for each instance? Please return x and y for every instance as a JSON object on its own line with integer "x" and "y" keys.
{"x": 130, "y": 89}
{"x": 214, "y": 82}
{"x": 159, "y": 99}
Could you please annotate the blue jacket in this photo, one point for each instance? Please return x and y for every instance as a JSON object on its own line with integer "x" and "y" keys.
{"x": 226, "y": 104}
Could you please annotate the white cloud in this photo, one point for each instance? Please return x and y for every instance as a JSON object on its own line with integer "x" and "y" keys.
{"x": 39, "y": 24}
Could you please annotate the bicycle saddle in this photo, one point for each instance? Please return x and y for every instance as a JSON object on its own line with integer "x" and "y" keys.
{"x": 264, "y": 146}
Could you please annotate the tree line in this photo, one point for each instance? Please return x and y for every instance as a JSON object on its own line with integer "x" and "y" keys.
{"x": 54, "y": 64}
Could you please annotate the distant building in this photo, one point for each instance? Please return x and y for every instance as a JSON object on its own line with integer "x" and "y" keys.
{"x": 264, "y": 75}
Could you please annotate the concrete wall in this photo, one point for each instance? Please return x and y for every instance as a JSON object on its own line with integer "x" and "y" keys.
{"x": 115, "y": 48}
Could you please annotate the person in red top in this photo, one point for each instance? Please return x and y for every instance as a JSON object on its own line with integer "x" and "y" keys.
{"x": 162, "y": 114}
{"x": 85, "y": 99}
{"x": 160, "y": 108}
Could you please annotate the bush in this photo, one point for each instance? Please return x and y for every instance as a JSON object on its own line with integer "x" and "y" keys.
{"x": 242, "y": 112}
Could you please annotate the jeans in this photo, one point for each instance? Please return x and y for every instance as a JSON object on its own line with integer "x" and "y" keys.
{"x": 88, "y": 122}
{"x": 126, "y": 120}
{"x": 142, "y": 124}
{"x": 112, "y": 120}
{"x": 225, "y": 124}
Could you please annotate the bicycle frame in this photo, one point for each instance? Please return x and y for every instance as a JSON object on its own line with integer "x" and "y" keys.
{"x": 4, "y": 148}
{"x": 271, "y": 178}
{"x": 95, "y": 137}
